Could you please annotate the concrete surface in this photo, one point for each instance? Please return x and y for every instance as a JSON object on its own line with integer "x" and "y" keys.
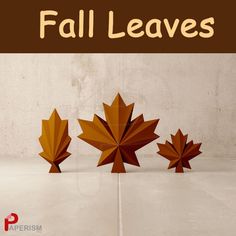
{"x": 194, "y": 92}
{"x": 86, "y": 201}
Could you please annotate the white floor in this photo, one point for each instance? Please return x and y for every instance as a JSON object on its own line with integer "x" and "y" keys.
{"x": 147, "y": 201}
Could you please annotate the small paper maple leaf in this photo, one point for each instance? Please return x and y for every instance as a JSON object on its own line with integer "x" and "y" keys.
{"x": 118, "y": 137}
{"x": 179, "y": 152}
{"x": 55, "y": 141}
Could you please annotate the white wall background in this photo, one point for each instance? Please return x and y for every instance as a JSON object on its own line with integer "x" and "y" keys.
{"x": 194, "y": 92}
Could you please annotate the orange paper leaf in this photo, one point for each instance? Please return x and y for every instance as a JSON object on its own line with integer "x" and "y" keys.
{"x": 118, "y": 137}
{"x": 179, "y": 152}
{"x": 55, "y": 141}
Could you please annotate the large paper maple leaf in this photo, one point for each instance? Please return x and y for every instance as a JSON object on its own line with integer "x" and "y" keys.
{"x": 118, "y": 137}
{"x": 179, "y": 152}
{"x": 55, "y": 141}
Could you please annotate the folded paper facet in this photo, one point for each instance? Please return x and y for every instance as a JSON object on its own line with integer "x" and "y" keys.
{"x": 179, "y": 152}
{"x": 55, "y": 141}
{"x": 118, "y": 137}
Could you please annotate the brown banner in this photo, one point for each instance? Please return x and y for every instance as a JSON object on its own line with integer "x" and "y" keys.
{"x": 117, "y": 26}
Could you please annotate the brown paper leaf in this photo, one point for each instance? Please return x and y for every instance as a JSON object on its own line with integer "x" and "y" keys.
{"x": 54, "y": 141}
{"x": 179, "y": 152}
{"x": 118, "y": 137}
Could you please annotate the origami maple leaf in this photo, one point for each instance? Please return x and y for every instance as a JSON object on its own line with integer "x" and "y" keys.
{"x": 179, "y": 152}
{"x": 118, "y": 137}
{"x": 55, "y": 141}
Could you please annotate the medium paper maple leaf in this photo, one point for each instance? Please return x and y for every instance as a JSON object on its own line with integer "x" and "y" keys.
{"x": 55, "y": 141}
{"x": 179, "y": 152}
{"x": 118, "y": 137}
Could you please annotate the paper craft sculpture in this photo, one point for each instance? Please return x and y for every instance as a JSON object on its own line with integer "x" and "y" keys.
{"x": 179, "y": 152}
{"x": 55, "y": 141}
{"x": 118, "y": 137}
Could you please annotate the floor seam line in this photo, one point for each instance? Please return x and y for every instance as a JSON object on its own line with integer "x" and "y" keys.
{"x": 120, "y": 225}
